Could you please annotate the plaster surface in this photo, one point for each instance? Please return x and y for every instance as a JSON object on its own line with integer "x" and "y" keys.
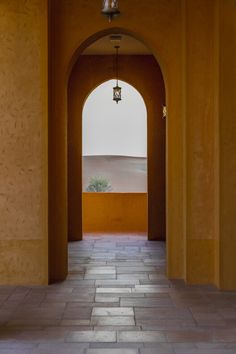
{"x": 201, "y": 141}
{"x": 227, "y": 141}
{"x": 23, "y": 142}
{"x": 194, "y": 43}
{"x": 115, "y": 212}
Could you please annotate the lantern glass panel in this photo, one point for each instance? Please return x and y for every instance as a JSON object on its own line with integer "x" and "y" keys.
{"x": 117, "y": 94}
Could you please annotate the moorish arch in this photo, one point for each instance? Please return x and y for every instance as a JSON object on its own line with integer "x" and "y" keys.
{"x": 143, "y": 73}
{"x": 148, "y": 81}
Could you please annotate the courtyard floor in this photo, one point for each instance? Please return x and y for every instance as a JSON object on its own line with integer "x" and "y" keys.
{"x": 117, "y": 300}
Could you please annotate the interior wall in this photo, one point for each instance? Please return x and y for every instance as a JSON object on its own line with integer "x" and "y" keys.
{"x": 23, "y": 142}
{"x": 201, "y": 141}
{"x": 115, "y": 212}
{"x": 144, "y": 74}
{"x": 180, "y": 34}
{"x": 70, "y": 25}
{"x": 227, "y": 137}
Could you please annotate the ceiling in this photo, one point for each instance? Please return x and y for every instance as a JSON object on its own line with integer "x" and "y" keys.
{"x": 128, "y": 46}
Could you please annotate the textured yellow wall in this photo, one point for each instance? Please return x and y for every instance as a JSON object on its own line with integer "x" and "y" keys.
{"x": 201, "y": 140}
{"x": 23, "y": 142}
{"x": 115, "y": 212}
{"x": 227, "y": 124}
{"x": 194, "y": 42}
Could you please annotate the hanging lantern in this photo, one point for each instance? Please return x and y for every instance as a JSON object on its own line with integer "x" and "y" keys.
{"x": 117, "y": 93}
{"x": 110, "y": 9}
{"x": 117, "y": 89}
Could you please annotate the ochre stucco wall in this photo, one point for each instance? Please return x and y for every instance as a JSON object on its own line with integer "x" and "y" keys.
{"x": 227, "y": 143}
{"x": 115, "y": 212}
{"x": 201, "y": 140}
{"x": 23, "y": 142}
{"x": 185, "y": 36}
{"x": 144, "y": 74}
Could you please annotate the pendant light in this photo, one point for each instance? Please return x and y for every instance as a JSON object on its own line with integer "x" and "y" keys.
{"x": 110, "y": 9}
{"x": 117, "y": 88}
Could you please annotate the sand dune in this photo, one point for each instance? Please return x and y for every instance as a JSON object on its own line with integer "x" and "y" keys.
{"x": 125, "y": 174}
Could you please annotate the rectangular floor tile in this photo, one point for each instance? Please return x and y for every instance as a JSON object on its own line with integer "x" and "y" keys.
{"x": 115, "y": 311}
{"x": 111, "y": 351}
{"x": 113, "y": 290}
{"x": 115, "y": 281}
{"x": 91, "y": 336}
{"x": 144, "y": 336}
{"x": 112, "y": 321}
{"x": 147, "y": 302}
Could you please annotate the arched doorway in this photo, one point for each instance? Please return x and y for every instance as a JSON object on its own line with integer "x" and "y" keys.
{"x": 114, "y": 168}
{"x": 91, "y": 71}
{"x": 144, "y": 73}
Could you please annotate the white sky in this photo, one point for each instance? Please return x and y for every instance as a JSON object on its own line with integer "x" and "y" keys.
{"x": 115, "y": 129}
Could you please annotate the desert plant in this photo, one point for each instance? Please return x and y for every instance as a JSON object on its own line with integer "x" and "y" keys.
{"x": 98, "y": 184}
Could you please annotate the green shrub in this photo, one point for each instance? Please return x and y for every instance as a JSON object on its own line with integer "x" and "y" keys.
{"x": 98, "y": 184}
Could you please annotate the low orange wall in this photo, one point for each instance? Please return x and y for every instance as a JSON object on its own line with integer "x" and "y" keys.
{"x": 115, "y": 212}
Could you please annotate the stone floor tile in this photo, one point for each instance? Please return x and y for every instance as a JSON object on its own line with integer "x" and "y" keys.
{"x": 75, "y": 322}
{"x": 106, "y": 299}
{"x": 15, "y": 351}
{"x": 152, "y": 289}
{"x": 130, "y": 270}
{"x": 225, "y": 335}
{"x": 189, "y": 336}
{"x": 162, "y": 313}
{"x": 101, "y": 270}
{"x": 137, "y": 276}
{"x": 111, "y": 351}
{"x": 147, "y": 302}
{"x": 156, "y": 351}
{"x": 116, "y": 283}
{"x": 58, "y": 351}
{"x": 99, "y": 276}
{"x": 112, "y": 321}
{"x": 116, "y": 345}
{"x": 113, "y": 290}
{"x": 165, "y": 324}
{"x": 63, "y": 347}
{"x": 115, "y": 311}
{"x": 33, "y": 322}
{"x": 204, "y": 351}
{"x": 113, "y": 281}
{"x": 143, "y": 336}
{"x": 117, "y": 328}
{"x": 91, "y": 336}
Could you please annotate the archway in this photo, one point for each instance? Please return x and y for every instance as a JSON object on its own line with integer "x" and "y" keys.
{"x": 147, "y": 86}
{"x": 114, "y": 164}
{"x": 88, "y": 72}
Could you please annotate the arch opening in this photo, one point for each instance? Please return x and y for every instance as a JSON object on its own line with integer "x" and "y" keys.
{"x": 114, "y": 129}
{"x": 138, "y": 67}
{"x": 114, "y": 166}
{"x": 86, "y": 71}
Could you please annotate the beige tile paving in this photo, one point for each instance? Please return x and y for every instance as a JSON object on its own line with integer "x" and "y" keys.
{"x": 117, "y": 300}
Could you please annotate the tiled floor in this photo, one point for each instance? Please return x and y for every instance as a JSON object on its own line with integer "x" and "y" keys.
{"x": 117, "y": 300}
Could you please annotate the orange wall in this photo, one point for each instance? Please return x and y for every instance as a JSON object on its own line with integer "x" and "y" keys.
{"x": 227, "y": 142}
{"x": 23, "y": 142}
{"x": 115, "y": 212}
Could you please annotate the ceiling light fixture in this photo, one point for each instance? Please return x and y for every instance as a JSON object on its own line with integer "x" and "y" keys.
{"x": 117, "y": 88}
{"x": 110, "y": 9}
